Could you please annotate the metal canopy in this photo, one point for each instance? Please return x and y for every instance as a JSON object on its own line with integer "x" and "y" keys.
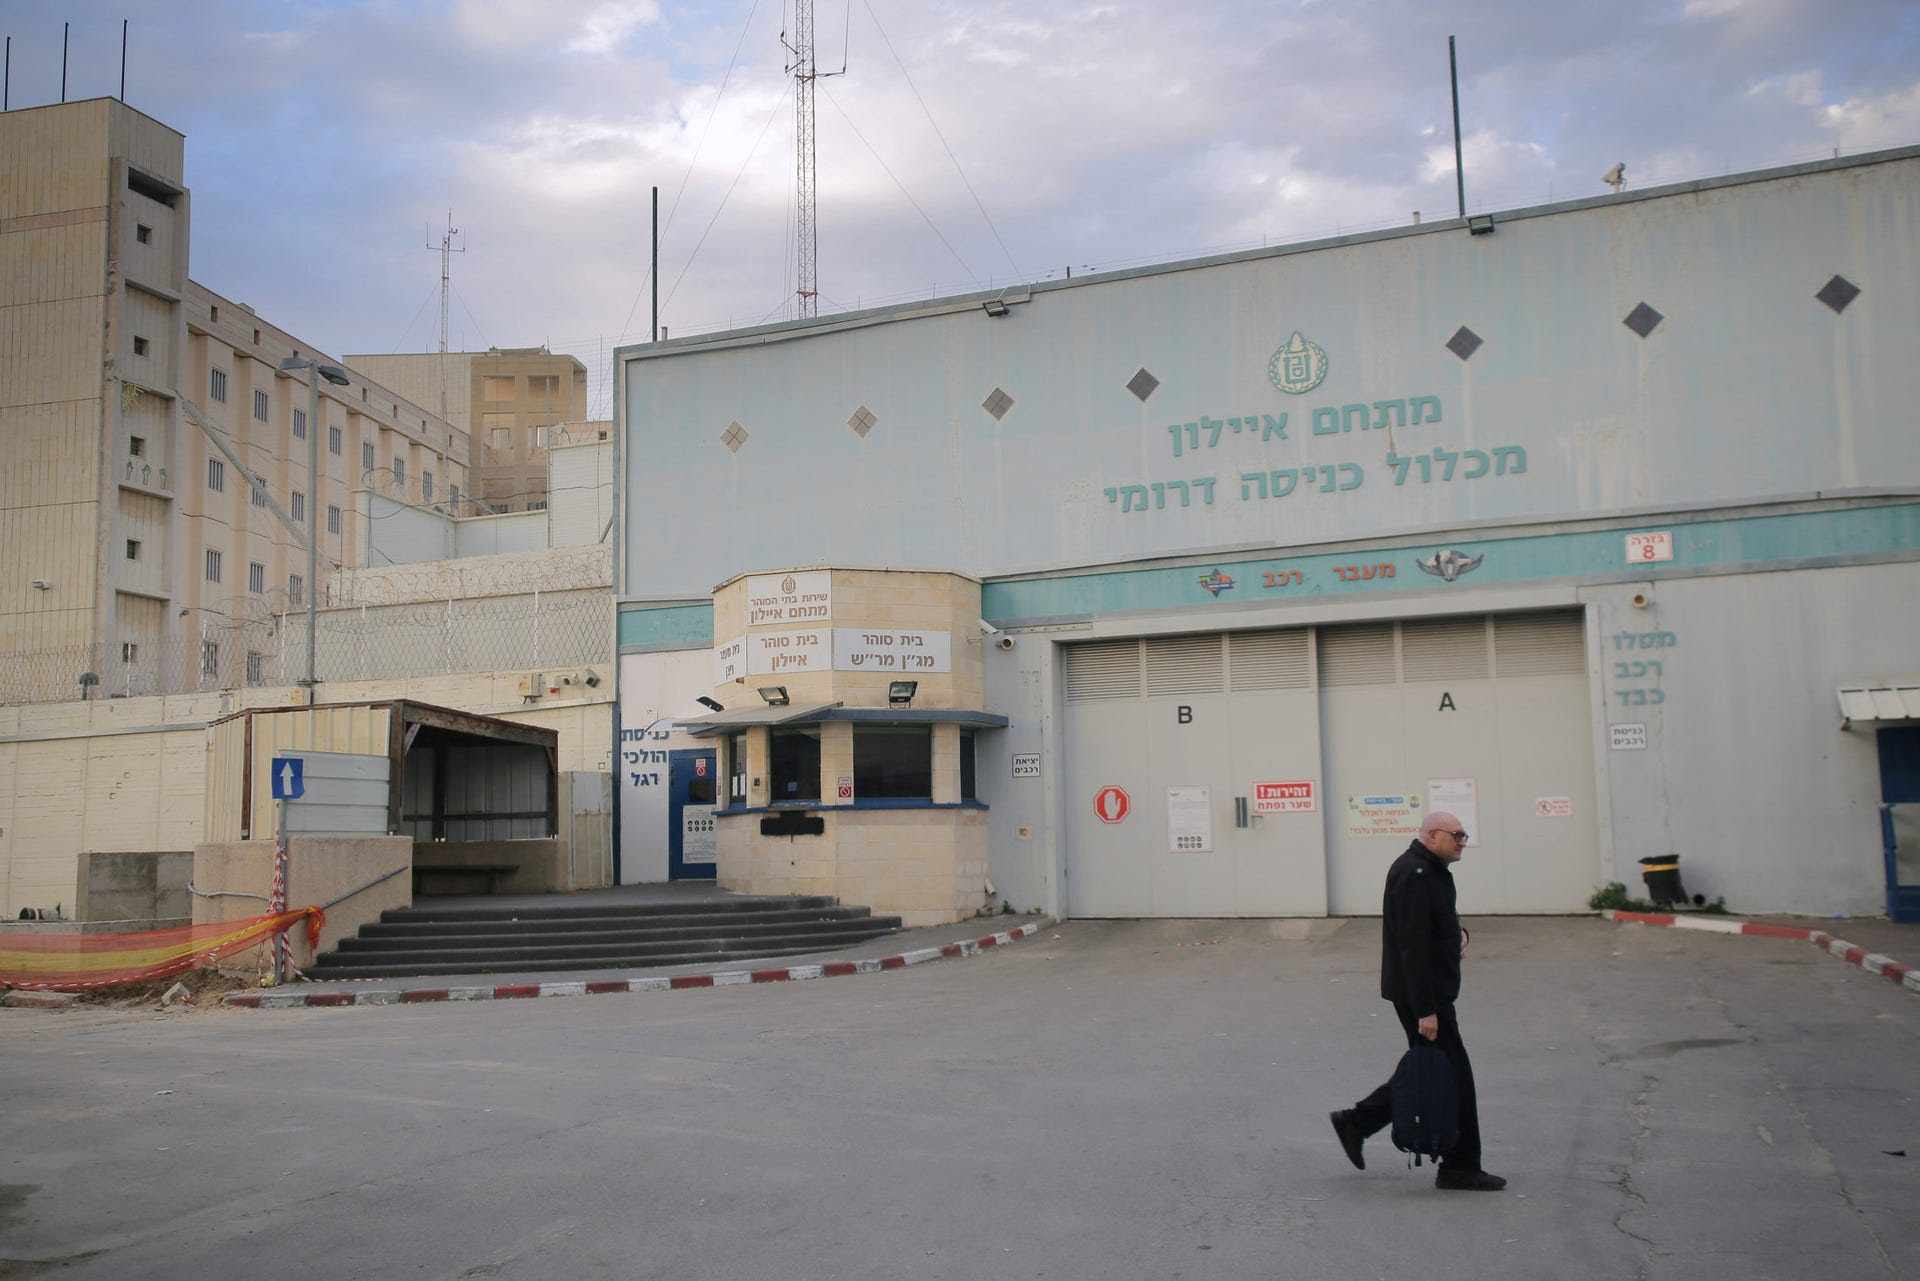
{"x": 1885, "y": 699}
{"x": 744, "y": 717}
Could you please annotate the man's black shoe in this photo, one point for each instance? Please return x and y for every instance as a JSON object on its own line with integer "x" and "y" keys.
{"x": 1468, "y": 1180}
{"x": 1350, "y": 1138}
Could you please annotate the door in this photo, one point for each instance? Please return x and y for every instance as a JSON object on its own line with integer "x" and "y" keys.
{"x": 1900, "y": 818}
{"x": 691, "y": 845}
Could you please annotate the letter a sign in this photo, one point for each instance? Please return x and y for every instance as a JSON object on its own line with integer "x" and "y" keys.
{"x": 1112, "y": 804}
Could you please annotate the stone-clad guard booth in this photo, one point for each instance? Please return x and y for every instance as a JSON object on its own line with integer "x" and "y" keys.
{"x": 847, "y": 703}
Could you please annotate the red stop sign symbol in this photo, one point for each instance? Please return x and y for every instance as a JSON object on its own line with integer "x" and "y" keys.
{"x": 1112, "y": 804}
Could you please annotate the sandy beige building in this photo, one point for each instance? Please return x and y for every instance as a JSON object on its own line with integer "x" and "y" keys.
{"x": 511, "y": 403}
{"x": 153, "y": 455}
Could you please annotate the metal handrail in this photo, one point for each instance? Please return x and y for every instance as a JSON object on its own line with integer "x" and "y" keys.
{"x": 192, "y": 889}
{"x": 369, "y": 885}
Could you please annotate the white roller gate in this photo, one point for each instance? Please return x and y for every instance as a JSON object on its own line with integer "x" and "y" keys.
{"x": 1187, "y": 727}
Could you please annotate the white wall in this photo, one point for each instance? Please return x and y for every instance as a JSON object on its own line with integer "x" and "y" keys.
{"x": 654, "y": 688}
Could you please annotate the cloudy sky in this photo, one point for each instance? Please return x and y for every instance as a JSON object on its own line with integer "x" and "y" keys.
{"x": 969, "y": 143}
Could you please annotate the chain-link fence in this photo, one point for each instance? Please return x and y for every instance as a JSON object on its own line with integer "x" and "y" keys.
{"x": 534, "y": 631}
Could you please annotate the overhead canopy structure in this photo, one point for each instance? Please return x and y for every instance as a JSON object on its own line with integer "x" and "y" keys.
{"x": 1881, "y": 699}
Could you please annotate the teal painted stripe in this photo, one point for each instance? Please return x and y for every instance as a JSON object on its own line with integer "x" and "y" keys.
{"x": 662, "y": 625}
{"x": 1705, "y": 545}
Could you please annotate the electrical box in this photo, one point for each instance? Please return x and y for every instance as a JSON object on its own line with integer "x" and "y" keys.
{"x": 533, "y": 685}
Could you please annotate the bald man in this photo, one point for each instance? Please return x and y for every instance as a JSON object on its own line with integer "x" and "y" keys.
{"x": 1421, "y": 945}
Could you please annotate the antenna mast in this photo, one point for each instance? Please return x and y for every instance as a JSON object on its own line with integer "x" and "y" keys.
{"x": 446, "y": 290}
{"x": 808, "y": 290}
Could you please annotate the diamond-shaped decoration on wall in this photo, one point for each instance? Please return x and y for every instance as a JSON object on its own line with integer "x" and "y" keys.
{"x": 1837, "y": 293}
{"x": 1142, "y": 384}
{"x": 1464, "y": 342}
{"x": 862, "y": 421}
{"x": 734, "y": 436}
{"x": 1643, "y": 320}
{"x": 997, "y": 404}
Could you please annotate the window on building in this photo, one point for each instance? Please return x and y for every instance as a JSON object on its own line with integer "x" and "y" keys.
{"x": 967, "y": 792}
{"x": 133, "y": 549}
{"x": 400, "y": 471}
{"x": 214, "y": 314}
{"x": 256, "y": 337}
{"x": 893, "y": 762}
{"x": 366, "y": 455}
{"x": 143, "y": 233}
{"x": 261, "y": 406}
{"x": 536, "y": 438}
{"x": 333, "y": 519}
{"x": 426, "y": 486}
{"x": 500, "y": 437}
{"x": 209, "y": 658}
{"x": 137, "y": 446}
{"x": 259, "y": 495}
{"x": 496, "y": 389}
{"x": 256, "y": 667}
{"x": 217, "y": 385}
{"x": 298, "y": 506}
{"x": 213, "y": 565}
{"x": 299, "y": 424}
{"x": 129, "y": 651}
{"x": 256, "y": 577}
{"x": 216, "y": 474}
{"x": 793, "y": 768}
{"x": 737, "y": 768}
{"x": 333, "y": 440}
{"x": 296, "y": 589}
{"x": 537, "y": 505}
{"x": 453, "y": 495}
{"x": 543, "y": 387}
{"x": 139, "y": 345}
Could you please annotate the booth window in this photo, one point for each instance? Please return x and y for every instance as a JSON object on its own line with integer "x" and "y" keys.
{"x": 737, "y": 768}
{"x": 793, "y": 772}
{"x": 893, "y": 762}
{"x": 966, "y": 765}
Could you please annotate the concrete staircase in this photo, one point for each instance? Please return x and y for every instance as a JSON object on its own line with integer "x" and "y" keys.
{"x": 470, "y": 936}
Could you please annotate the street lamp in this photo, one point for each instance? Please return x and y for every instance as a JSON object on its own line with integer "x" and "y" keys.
{"x": 338, "y": 377}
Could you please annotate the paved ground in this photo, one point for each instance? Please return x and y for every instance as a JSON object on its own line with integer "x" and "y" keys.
{"x": 1110, "y": 1100}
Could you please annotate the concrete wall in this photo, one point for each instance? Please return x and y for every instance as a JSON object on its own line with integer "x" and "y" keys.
{"x": 148, "y": 887}
{"x": 926, "y": 866}
{"x": 319, "y": 868}
{"x": 542, "y": 866}
{"x": 1748, "y": 387}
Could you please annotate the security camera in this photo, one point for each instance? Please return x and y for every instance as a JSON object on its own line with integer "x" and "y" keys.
{"x": 1005, "y": 642}
{"x": 988, "y": 629}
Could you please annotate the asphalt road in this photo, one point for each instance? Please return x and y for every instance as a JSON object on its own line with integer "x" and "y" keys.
{"x": 1108, "y": 1100}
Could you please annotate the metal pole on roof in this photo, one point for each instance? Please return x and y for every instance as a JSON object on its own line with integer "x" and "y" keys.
{"x": 123, "y": 59}
{"x": 656, "y": 265}
{"x": 1459, "y": 175}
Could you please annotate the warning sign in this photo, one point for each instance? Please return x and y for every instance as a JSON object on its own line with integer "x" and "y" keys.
{"x": 1553, "y": 807}
{"x": 1394, "y": 814}
{"x": 1284, "y": 798}
{"x": 1112, "y": 804}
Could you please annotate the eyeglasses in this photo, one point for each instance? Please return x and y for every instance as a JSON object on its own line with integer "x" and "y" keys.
{"x": 1459, "y": 836}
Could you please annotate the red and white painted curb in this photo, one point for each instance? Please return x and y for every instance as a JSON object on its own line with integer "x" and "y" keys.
{"x": 283, "y": 999}
{"x": 1907, "y": 976}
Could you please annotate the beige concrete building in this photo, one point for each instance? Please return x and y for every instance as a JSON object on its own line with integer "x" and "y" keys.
{"x": 149, "y": 442}
{"x": 512, "y": 404}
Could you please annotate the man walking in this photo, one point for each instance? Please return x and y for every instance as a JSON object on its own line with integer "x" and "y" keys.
{"x": 1421, "y": 946}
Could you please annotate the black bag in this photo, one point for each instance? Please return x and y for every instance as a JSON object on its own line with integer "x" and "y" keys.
{"x": 1426, "y": 1103}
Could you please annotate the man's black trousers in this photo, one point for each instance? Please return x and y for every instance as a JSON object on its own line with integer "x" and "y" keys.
{"x": 1375, "y": 1112}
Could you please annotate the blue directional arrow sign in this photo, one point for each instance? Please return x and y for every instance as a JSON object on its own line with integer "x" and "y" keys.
{"x": 289, "y": 778}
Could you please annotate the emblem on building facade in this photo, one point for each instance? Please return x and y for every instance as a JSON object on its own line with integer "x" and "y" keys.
{"x": 1450, "y": 564}
{"x": 1298, "y": 366}
{"x": 1216, "y": 582}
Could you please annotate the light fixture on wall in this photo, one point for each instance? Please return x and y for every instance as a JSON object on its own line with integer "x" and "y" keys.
{"x": 994, "y": 306}
{"x": 709, "y": 704}
{"x": 1480, "y": 225}
{"x": 776, "y": 695}
{"x": 900, "y": 693}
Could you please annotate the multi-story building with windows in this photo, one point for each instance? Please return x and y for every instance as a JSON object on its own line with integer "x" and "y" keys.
{"x": 153, "y": 453}
{"x": 510, "y": 402}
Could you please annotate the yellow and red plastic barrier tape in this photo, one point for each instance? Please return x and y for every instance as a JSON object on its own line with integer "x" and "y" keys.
{"x": 78, "y": 962}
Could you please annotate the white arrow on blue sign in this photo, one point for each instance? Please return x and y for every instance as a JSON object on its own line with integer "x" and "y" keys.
{"x": 289, "y": 782}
